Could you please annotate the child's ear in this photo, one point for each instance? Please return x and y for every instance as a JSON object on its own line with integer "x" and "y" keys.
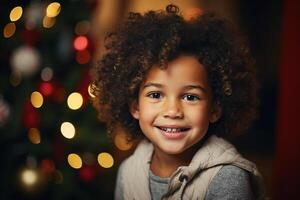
{"x": 134, "y": 109}
{"x": 216, "y": 113}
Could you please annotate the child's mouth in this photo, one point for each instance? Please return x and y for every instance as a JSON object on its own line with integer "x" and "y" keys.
{"x": 173, "y": 133}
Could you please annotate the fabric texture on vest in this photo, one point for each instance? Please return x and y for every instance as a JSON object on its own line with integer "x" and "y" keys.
{"x": 187, "y": 182}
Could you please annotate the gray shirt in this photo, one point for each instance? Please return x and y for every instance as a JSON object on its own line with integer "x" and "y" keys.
{"x": 230, "y": 183}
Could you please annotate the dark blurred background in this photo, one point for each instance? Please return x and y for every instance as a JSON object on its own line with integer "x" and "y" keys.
{"x": 52, "y": 144}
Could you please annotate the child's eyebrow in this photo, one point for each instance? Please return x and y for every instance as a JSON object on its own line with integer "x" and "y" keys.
{"x": 149, "y": 84}
{"x": 189, "y": 87}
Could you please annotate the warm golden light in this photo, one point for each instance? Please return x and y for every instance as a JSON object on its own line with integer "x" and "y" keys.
{"x": 90, "y": 90}
{"x": 105, "y": 160}
{"x": 122, "y": 142}
{"x": 16, "y": 13}
{"x": 36, "y": 99}
{"x": 68, "y": 130}
{"x": 29, "y": 177}
{"x": 9, "y": 30}
{"x": 34, "y": 135}
{"x": 48, "y": 22}
{"x": 74, "y": 161}
{"x": 53, "y": 9}
{"x": 75, "y": 101}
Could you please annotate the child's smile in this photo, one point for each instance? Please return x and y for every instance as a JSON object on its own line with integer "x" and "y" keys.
{"x": 175, "y": 106}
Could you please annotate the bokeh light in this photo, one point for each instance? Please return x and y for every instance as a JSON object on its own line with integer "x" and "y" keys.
{"x": 53, "y": 9}
{"x": 121, "y": 142}
{"x": 91, "y": 90}
{"x": 74, "y": 161}
{"x": 16, "y": 13}
{"x": 82, "y": 27}
{"x": 80, "y": 43}
{"x": 34, "y": 136}
{"x": 68, "y": 130}
{"x": 46, "y": 88}
{"x": 75, "y": 100}
{"x": 83, "y": 57}
{"x": 48, "y": 22}
{"x": 47, "y": 74}
{"x": 29, "y": 177}
{"x": 9, "y": 30}
{"x": 105, "y": 160}
{"x": 36, "y": 99}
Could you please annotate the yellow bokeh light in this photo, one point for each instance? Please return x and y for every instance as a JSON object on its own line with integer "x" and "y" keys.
{"x": 16, "y": 13}
{"x": 105, "y": 160}
{"x": 53, "y": 9}
{"x": 75, "y": 101}
{"x": 48, "y": 22}
{"x": 122, "y": 142}
{"x": 37, "y": 99}
{"x": 9, "y": 30}
{"x": 29, "y": 177}
{"x": 74, "y": 161}
{"x": 90, "y": 90}
{"x": 68, "y": 130}
{"x": 34, "y": 135}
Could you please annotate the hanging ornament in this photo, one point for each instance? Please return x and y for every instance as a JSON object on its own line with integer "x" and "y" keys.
{"x": 4, "y": 112}
{"x": 25, "y": 61}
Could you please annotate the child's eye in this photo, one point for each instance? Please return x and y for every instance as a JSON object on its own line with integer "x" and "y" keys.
{"x": 190, "y": 97}
{"x": 154, "y": 95}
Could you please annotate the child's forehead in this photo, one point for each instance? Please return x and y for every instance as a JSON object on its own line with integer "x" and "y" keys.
{"x": 184, "y": 67}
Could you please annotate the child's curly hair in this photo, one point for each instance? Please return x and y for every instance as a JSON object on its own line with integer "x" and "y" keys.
{"x": 158, "y": 37}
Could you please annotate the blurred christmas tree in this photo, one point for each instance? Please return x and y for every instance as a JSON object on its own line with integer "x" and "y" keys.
{"x": 52, "y": 145}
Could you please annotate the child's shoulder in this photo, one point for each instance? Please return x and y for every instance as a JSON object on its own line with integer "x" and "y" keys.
{"x": 230, "y": 182}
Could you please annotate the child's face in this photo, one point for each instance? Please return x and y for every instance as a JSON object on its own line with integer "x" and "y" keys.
{"x": 175, "y": 105}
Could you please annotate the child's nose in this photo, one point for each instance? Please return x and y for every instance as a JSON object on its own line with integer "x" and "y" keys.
{"x": 172, "y": 109}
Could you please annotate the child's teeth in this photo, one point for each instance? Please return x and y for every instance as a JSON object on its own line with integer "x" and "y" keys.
{"x": 169, "y": 129}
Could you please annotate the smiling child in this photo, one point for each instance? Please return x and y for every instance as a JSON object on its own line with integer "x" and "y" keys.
{"x": 179, "y": 87}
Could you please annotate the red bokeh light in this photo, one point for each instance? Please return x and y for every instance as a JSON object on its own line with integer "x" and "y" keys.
{"x": 83, "y": 57}
{"x": 46, "y": 88}
{"x": 80, "y": 43}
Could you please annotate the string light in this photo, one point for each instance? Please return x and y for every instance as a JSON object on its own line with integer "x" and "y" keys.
{"x": 53, "y": 9}
{"x": 74, "y": 161}
{"x": 16, "y": 13}
{"x": 48, "y": 22}
{"x": 36, "y": 99}
{"x": 75, "y": 100}
{"x": 90, "y": 90}
{"x": 34, "y": 136}
{"x": 105, "y": 160}
{"x": 80, "y": 43}
{"x": 9, "y": 30}
{"x": 29, "y": 177}
{"x": 68, "y": 130}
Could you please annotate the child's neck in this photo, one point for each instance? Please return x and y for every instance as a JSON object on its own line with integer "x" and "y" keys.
{"x": 164, "y": 165}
